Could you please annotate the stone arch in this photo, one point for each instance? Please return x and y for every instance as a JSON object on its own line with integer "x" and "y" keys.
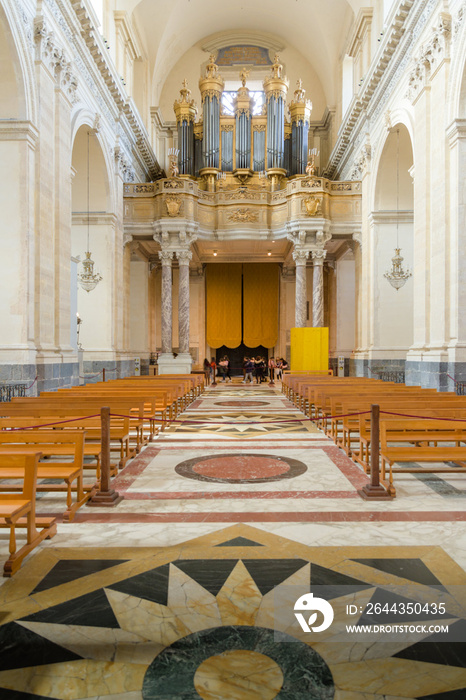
{"x": 457, "y": 90}
{"x": 400, "y": 118}
{"x": 392, "y": 226}
{"x": 17, "y": 177}
{"x": 385, "y": 180}
{"x": 85, "y": 118}
{"x": 14, "y": 102}
{"x": 93, "y": 230}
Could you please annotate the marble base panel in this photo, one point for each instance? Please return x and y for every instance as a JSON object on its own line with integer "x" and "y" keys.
{"x": 113, "y": 369}
{"x": 434, "y": 375}
{"x": 50, "y": 376}
{"x": 181, "y": 364}
{"x": 369, "y": 368}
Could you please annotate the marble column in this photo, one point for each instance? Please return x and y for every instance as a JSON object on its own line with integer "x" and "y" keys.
{"x": 166, "y": 257}
{"x": 318, "y": 257}
{"x": 184, "y": 257}
{"x": 300, "y": 257}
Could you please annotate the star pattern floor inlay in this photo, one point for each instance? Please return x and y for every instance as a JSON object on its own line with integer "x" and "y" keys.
{"x": 84, "y": 623}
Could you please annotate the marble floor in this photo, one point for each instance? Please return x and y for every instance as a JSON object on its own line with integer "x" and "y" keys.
{"x": 188, "y": 587}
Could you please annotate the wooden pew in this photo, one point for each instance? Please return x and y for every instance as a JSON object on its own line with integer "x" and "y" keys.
{"x": 362, "y": 455}
{"x": 68, "y": 444}
{"x": 413, "y": 440}
{"x": 64, "y": 409}
{"x": 19, "y": 509}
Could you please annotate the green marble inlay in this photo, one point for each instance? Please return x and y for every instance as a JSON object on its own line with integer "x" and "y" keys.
{"x": 171, "y": 675}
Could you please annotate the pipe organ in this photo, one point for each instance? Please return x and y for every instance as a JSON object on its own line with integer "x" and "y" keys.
{"x": 243, "y": 143}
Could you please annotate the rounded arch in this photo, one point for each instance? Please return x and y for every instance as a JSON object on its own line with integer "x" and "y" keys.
{"x": 16, "y": 84}
{"x": 457, "y": 91}
{"x": 384, "y": 196}
{"x": 81, "y": 122}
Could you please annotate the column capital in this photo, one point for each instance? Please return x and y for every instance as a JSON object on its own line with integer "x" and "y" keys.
{"x": 318, "y": 256}
{"x": 300, "y": 256}
{"x": 166, "y": 256}
{"x": 184, "y": 256}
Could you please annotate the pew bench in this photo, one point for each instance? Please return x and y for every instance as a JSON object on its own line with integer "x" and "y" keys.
{"x": 67, "y": 446}
{"x": 411, "y": 440}
{"x": 18, "y": 510}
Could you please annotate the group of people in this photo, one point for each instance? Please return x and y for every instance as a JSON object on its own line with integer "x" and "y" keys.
{"x": 253, "y": 368}
{"x": 210, "y": 369}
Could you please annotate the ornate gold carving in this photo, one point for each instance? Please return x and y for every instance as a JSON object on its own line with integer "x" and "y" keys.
{"x": 313, "y": 183}
{"x": 300, "y": 108}
{"x": 243, "y": 216}
{"x": 342, "y": 186}
{"x": 277, "y": 67}
{"x": 276, "y": 85}
{"x": 227, "y": 127}
{"x": 173, "y": 204}
{"x": 198, "y": 130}
{"x": 212, "y": 84}
{"x": 173, "y": 184}
{"x": 313, "y": 206}
{"x": 243, "y": 194}
{"x": 259, "y": 127}
{"x": 185, "y": 108}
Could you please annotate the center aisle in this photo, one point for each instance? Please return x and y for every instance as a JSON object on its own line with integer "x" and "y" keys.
{"x": 187, "y": 588}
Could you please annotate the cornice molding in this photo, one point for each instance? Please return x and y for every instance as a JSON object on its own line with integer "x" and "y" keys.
{"x": 408, "y": 19}
{"x": 78, "y": 23}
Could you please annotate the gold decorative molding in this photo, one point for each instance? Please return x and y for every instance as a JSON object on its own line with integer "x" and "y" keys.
{"x": 276, "y": 85}
{"x": 300, "y": 108}
{"x": 313, "y": 205}
{"x": 173, "y": 204}
{"x": 243, "y": 216}
{"x": 185, "y": 108}
{"x": 212, "y": 84}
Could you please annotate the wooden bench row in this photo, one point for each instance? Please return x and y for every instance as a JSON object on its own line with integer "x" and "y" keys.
{"x": 66, "y": 439}
{"x": 430, "y": 428}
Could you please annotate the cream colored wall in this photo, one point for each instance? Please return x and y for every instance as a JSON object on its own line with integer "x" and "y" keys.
{"x": 96, "y": 307}
{"x": 139, "y": 308}
{"x": 345, "y": 316}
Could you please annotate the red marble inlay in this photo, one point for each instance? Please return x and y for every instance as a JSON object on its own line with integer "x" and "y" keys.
{"x": 293, "y": 517}
{"x": 241, "y": 467}
{"x": 242, "y": 404}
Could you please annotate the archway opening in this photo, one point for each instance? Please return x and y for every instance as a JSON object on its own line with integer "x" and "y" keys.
{"x": 93, "y": 229}
{"x": 392, "y": 227}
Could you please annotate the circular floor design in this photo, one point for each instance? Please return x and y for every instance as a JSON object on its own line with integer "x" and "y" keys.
{"x": 242, "y": 404}
{"x": 241, "y": 468}
{"x": 172, "y": 673}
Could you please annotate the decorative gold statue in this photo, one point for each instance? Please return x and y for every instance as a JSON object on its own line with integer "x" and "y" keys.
{"x": 311, "y": 168}
{"x": 244, "y": 75}
{"x": 173, "y": 165}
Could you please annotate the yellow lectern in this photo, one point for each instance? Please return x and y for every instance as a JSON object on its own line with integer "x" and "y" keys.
{"x": 309, "y": 349}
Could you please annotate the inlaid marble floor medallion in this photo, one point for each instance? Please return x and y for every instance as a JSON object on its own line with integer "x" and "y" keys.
{"x": 240, "y": 468}
{"x": 201, "y": 619}
{"x": 241, "y": 404}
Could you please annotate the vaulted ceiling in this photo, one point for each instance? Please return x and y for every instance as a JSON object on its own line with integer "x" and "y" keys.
{"x": 316, "y": 29}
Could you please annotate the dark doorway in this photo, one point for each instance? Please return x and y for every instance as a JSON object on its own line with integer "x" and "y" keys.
{"x": 236, "y": 356}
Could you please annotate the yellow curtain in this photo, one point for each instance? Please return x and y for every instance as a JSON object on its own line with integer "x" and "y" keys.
{"x": 223, "y": 304}
{"x": 260, "y": 304}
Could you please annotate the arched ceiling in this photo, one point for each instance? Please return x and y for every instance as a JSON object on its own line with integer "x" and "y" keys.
{"x": 318, "y": 30}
